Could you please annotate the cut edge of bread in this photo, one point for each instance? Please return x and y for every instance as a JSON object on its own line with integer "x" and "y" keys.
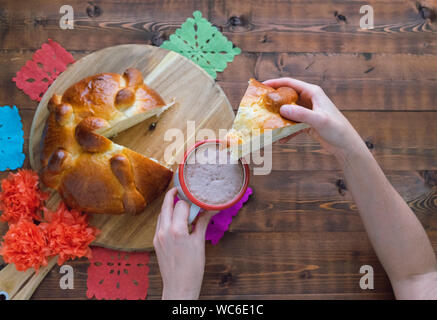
{"x": 133, "y": 120}
{"x": 257, "y": 141}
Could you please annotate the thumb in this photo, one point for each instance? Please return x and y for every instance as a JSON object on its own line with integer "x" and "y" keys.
{"x": 300, "y": 114}
{"x": 202, "y": 223}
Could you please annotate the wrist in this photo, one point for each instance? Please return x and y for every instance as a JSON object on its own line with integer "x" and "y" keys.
{"x": 177, "y": 294}
{"x": 354, "y": 151}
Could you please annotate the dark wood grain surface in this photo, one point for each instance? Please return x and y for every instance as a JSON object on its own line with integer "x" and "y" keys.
{"x": 300, "y": 235}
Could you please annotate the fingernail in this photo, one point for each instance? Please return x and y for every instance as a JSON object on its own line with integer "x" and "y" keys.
{"x": 285, "y": 110}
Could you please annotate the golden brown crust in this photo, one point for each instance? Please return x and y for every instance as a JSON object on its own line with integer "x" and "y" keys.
{"x": 58, "y": 162}
{"x": 157, "y": 180}
{"x": 56, "y": 136}
{"x": 90, "y": 141}
{"x": 133, "y": 201}
{"x": 284, "y": 95}
{"x": 133, "y": 77}
{"x": 147, "y": 98}
{"x": 125, "y": 98}
{"x": 94, "y": 96}
{"x": 90, "y": 186}
{"x": 91, "y": 173}
{"x": 259, "y": 110}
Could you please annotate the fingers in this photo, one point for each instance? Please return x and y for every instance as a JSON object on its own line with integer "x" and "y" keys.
{"x": 308, "y": 93}
{"x": 301, "y": 114}
{"x": 298, "y": 85}
{"x": 180, "y": 217}
{"x": 202, "y": 223}
{"x": 167, "y": 209}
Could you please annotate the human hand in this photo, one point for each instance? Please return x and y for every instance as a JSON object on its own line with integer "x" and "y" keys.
{"x": 328, "y": 125}
{"x": 181, "y": 255}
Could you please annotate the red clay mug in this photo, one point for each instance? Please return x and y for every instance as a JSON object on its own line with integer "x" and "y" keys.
{"x": 195, "y": 204}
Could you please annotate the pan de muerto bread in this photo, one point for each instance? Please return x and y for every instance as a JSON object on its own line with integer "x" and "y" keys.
{"x": 91, "y": 173}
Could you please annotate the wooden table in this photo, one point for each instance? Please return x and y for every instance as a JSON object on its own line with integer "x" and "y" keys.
{"x": 300, "y": 235}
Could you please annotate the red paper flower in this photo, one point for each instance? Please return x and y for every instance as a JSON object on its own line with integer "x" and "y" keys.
{"x": 38, "y": 74}
{"x": 68, "y": 233}
{"x": 25, "y": 245}
{"x": 118, "y": 275}
{"x": 20, "y": 197}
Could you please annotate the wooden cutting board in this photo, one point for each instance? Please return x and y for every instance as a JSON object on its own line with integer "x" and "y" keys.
{"x": 198, "y": 98}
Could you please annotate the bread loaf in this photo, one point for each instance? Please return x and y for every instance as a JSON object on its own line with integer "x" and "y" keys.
{"x": 92, "y": 173}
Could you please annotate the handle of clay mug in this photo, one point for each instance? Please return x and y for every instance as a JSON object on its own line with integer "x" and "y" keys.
{"x": 194, "y": 211}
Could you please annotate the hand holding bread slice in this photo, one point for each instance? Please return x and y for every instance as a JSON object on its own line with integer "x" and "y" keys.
{"x": 258, "y": 113}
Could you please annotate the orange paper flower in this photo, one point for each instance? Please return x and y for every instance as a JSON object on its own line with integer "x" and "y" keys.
{"x": 68, "y": 233}
{"x": 64, "y": 232}
{"x": 25, "y": 245}
{"x": 20, "y": 197}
